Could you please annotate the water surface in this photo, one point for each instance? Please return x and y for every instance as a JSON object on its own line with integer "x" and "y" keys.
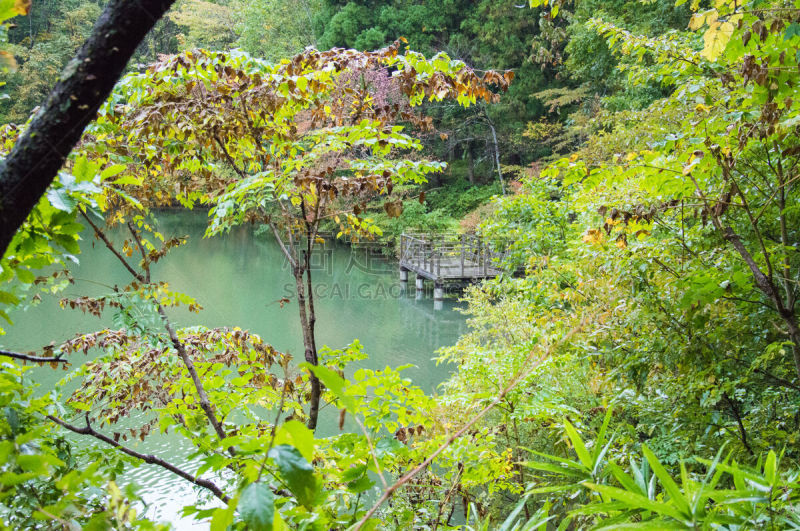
{"x": 240, "y": 280}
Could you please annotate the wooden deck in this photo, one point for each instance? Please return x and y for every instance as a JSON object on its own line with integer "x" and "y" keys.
{"x": 442, "y": 259}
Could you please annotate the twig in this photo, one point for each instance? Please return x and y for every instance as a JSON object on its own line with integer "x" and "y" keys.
{"x": 274, "y": 427}
{"x": 140, "y": 245}
{"x": 521, "y": 375}
{"x": 34, "y": 359}
{"x": 150, "y": 459}
{"x": 205, "y": 404}
{"x": 230, "y": 160}
{"x": 100, "y": 234}
{"x": 372, "y": 452}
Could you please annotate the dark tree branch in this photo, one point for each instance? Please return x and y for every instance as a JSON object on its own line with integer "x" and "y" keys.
{"x": 150, "y": 459}
{"x": 734, "y": 407}
{"x": 205, "y": 403}
{"x": 57, "y": 127}
{"x": 100, "y": 234}
{"x": 230, "y": 160}
{"x": 142, "y": 251}
{"x": 34, "y": 359}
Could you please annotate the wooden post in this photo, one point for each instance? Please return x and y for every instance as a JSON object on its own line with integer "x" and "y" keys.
{"x": 483, "y": 248}
{"x": 463, "y": 252}
{"x": 438, "y": 257}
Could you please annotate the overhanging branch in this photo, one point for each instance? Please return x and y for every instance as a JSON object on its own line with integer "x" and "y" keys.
{"x": 32, "y": 358}
{"x": 147, "y": 458}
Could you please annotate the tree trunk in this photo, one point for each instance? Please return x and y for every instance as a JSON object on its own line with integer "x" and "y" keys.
{"x": 497, "y": 157}
{"x": 83, "y": 86}
{"x": 310, "y": 351}
{"x": 768, "y": 288}
{"x": 471, "y": 166}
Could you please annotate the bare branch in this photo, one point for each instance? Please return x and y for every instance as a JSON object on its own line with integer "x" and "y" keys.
{"x": 34, "y": 359}
{"x": 147, "y": 458}
{"x": 100, "y": 234}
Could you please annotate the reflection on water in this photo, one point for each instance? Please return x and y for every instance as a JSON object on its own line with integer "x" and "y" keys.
{"x": 240, "y": 279}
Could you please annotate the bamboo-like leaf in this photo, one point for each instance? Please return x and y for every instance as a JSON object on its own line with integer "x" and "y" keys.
{"x": 638, "y": 501}
{"x": 577, "y": 443}
{"x": 568, "y": 462}
{"x": 666, "y": 480}
{"x": 625, "y": 480}
{"x": 556, "y": 469}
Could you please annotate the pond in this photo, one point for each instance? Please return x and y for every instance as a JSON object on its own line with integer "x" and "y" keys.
{"x": 240, "y": 280}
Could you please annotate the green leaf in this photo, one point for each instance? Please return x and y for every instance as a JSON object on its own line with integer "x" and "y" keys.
{"x": 8, "y": 298}
{"x": 295, "y": 433}
{"x": 12, "y": 8}
{"x": 666, "y": 480}
{"x": 257, "y": 506}
{"x": 637, "y": 501}
{"x": 25, "y": 276}
{"x": 510, "y": 521}
{"x": 13, "y": 419}
{"x": 111, "y": 171}
{"x": 128, "y": 180}
{"x": 296, "y": 472}
{"x": 83, "y": 169}
{"x": 556, "y": 469}
{"x": 335, "y": 384}
{"x": 60, "y": 199}
{"x": 223, "y": 517}
{"x": 577, "y": 443}
{"x": 624, "y": 479}
{"x": 770, "y": 467}
{"x": 792, "y": 30}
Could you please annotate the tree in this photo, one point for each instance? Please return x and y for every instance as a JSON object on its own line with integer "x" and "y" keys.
{"x": 304, "y": 141}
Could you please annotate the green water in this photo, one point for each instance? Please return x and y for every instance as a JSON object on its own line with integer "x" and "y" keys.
{"x": 239, "y": 279}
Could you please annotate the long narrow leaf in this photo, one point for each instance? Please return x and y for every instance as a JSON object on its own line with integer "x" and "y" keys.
{"x": 570, "y": 463}
{"x": 638, "y": 501}
{"x": 577, "y": 443}
{"x": 556, "y": 469}
{"x": 625, "y": 480}
{"x": 601, "y": 435}
{"x": 509, "y": 522}
{"x": 666, "y": 480}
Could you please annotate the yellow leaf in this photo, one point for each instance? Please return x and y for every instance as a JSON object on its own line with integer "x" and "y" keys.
{"x": 716, "y": 39}
{"x": 704, "y": 108}
{"x": 593, "y": 236}
{"x": 630, "y": 156}
{"x": 697, "y": 21}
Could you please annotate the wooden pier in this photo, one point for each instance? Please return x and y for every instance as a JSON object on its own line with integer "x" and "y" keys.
{"x": 465, "y": 258}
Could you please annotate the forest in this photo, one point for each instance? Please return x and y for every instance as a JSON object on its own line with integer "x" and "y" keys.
{"x": 173, "y": 172}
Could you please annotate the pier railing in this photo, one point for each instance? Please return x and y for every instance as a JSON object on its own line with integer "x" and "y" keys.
{"x": 444, "y": 257}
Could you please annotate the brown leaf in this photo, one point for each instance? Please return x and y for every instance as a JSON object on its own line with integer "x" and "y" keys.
{"x": 393, "y": 208}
